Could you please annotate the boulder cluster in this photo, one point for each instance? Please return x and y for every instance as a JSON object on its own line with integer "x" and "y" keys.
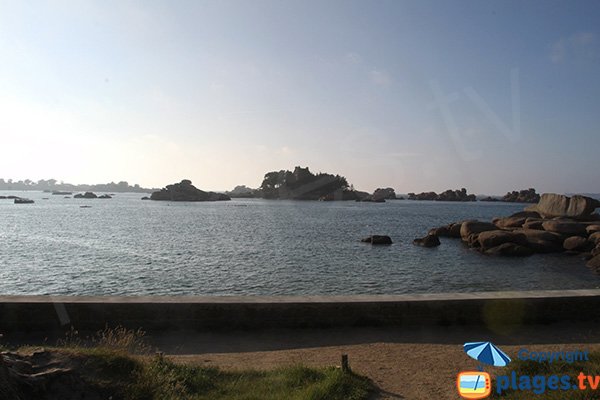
{"x": 521, "y": 196}
{"x": 448, "y": 195}
{"x": 557, "y": 224}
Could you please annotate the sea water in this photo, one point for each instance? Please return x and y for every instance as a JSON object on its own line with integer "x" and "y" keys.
{"x": 126, "y": 246}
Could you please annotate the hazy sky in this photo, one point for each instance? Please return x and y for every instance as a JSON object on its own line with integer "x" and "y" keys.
{"x": 417, "y": 95}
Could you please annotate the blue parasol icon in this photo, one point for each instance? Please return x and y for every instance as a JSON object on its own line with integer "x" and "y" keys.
{"x": 486, "y": 353}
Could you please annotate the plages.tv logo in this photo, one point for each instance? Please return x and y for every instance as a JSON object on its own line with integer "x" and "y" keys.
{"x": 478, "y": 384}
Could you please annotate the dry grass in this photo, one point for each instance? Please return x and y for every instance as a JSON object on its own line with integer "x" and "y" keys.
{"x": 119, "y": 339}
{"x": 115, "y": 362}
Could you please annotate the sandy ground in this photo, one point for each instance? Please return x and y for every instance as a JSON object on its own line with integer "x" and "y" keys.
{"x": 404, "y": 364}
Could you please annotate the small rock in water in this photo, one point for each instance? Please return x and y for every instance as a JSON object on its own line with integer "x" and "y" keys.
{"x": 86, "y": 195}
{"x": 430, "y": 240}
{"x": 377, "y": 239}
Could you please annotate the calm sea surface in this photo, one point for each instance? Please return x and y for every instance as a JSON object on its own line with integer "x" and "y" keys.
{"x": 125, "y": 246}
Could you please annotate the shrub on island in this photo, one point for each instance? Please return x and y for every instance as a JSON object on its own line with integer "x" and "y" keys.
{"x": 185, "y": 191}
{"x": 301, "y": 184}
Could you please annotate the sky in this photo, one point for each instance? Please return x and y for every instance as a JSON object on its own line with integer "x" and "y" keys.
{"x": 492, "y": 96}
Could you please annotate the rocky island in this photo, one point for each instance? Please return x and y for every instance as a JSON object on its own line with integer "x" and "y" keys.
{"x": 380, "y": 195}
{"x": 185, "y": 191}
{"x": 556, "y": 224}
{"x": 86, "y": 195}
{"x": 301, "y": 184}
{"x": 522, "y": 196}
{"x": 448, "y": 195}
{"x": 244, "y": 192}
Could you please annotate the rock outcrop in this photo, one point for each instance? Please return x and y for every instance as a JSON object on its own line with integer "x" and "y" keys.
{"x": 557, "y": 224}
{"x": 565, "y": 227}
{"x": 490, "y": 239}
{"x": 474, "y": 227}
{"x": 509, "y": 250}
{"x": 20, "y": 200}
{"x": 430, "y": 240}
{"x": 377, "y": 239}
{"x": 384, "y": 194}
{"x": 450, "y": 230}
{"x": 594, "y": 238}
{"x": 185, "y": 191}
{"x": 552, "y": 205}
{"x": 594, "y": 263}
{"x": 592, "y": 228}
{"x": 577, "y": 243}
{"x": 86, "y": 195}
{"x": 448, "y": 195}
{"x": 522, "y": 196}
{"x": 346, "y": 195}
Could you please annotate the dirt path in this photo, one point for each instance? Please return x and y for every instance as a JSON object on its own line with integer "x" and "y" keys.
{"x": 409, "y": 364}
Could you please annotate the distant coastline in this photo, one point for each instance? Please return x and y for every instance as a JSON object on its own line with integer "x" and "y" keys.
{"x": 299, "y": 184}
{"x": 52, "y": 185}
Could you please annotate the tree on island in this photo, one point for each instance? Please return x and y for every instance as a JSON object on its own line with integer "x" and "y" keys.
{"x": 301, "y": 184}
{"x": 384, "y": 193}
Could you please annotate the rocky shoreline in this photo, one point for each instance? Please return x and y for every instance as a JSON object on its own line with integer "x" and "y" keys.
{"x": 556, "y": 224}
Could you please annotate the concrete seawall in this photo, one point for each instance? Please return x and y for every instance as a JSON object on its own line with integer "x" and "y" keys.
{"x": 53, "y": 314}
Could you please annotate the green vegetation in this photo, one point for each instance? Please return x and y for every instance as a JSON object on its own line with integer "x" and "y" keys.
{"x": 161, "y": 379}
{"x": 105, "y": 366}
{"x": 301, "y": 185}
{"x": 558, "y": 368}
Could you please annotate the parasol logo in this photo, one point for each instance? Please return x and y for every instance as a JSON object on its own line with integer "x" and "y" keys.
{"x": 478, "y": 384}
{"x": 486, "y": 353}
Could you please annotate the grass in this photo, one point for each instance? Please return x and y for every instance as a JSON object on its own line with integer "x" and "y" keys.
{"x": 116, "y": 362}
{"x": 162, "y": 379}
{"x": 559, "y": 368}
